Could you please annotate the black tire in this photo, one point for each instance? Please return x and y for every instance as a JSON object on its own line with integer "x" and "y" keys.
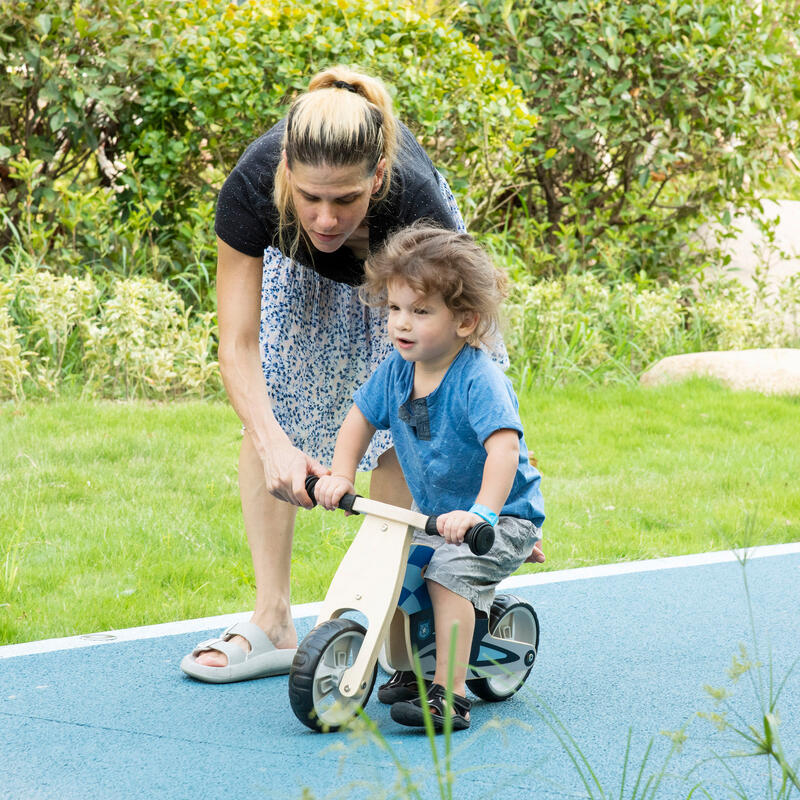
{"x": 510, "y": 618}
{"x": 320, "y": 660}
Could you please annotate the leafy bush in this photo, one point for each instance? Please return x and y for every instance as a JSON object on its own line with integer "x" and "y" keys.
{"x": 139, "y": 110}
{"x": 13, "y": 369}
{"x": 135, "y": 337}
{"x": 737, "y": 319}
{"x": 55, "y": 309}
{"x": 143, "y": 343}
{"x": 652, "y": 114}
{"x": 576, "y": 327}
{"x": 132, "y": 337}
{"x": 226, "y": 76}
{"x": 69, "y": 70}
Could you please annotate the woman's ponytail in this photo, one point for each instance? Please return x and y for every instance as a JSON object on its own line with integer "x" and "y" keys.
{"x": 345, "y": 118}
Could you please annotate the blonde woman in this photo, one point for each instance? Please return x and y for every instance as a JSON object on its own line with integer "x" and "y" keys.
{"x": 295, "y": 221}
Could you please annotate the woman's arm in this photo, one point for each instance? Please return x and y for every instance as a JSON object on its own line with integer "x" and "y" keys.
{"x": 239, "y": 316}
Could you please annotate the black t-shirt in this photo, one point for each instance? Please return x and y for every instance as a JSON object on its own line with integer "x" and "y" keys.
{"x": 247, "y": 219}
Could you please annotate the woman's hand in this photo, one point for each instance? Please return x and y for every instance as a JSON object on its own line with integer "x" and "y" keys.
{"x": 537, "y": 554}
{"x": 330, "y": 489}
{"x": 285, "y": 471}
{"x": 454, "y": 525}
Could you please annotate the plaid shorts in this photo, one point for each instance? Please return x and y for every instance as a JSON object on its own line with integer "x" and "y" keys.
{"x": 473, "y": 577}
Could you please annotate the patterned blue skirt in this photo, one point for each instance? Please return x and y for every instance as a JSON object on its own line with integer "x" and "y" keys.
{"x": 319, "y": 343}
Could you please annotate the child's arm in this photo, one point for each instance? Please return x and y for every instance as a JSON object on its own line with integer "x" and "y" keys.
{"x": 351, "y": 444}
{"x": 499, "y": 471}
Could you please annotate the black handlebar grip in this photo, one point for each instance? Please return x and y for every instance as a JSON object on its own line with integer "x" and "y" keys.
{"x": 430, "y": 526}
{"x": 479, "y": 538}
{"x": 311, "y": 482}
{"x": 346, "y": 503}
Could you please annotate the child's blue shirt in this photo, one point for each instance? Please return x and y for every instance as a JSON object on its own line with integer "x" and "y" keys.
{"x": 439, "y": 438}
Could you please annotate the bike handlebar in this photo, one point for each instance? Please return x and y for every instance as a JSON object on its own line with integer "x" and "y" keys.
{"x": 479, "y": 538}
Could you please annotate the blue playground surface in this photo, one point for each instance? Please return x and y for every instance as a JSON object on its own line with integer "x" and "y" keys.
{"x": 624, "y": 648}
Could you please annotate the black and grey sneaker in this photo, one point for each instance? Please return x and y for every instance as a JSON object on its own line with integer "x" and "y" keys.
{"x": 411, "y": 712}
{"x": 401, "y": 686}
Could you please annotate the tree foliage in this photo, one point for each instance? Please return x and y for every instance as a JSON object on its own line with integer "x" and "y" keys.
{"x": 134, "y": 111}
{"x": 120, "y": 118}
{"x": 69, "y": 72}
{"x": 228, "y": 73}
{"x": 651, "y": 114}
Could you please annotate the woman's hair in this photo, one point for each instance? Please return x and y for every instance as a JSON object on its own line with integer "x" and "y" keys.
{"x": 345, "y": 118}
{"x": 431, "y": 259}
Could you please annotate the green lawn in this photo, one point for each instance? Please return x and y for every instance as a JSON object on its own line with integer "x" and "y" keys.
{"x": 121, "y": 514}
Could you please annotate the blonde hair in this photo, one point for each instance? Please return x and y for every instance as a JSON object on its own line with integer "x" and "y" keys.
{"x": 343, "y": 119}
{"x": 430, "y": 260}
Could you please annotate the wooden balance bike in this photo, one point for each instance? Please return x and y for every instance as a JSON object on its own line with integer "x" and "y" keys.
{"x": 381, "y": 578}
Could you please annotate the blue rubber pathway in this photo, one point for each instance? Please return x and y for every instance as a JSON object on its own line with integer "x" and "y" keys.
{"x": 628, "y": 647}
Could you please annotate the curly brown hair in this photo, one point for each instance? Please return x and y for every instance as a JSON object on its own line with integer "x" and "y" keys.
{"x": 430, "y": 260}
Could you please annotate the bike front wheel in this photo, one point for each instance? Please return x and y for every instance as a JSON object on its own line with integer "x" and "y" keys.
{"x": 316, "y": 673}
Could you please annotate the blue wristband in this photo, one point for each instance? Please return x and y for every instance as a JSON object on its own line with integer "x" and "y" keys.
{"x": 484, "y": 513}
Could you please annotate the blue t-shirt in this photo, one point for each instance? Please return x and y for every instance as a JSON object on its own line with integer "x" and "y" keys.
{"x": 439, "y": 438}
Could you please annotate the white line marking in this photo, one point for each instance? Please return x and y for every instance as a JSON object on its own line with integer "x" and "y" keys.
{"x": 312, "y": 609}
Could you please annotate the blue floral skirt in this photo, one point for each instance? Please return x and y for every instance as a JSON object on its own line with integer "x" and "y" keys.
{"x": 319, "y": 343}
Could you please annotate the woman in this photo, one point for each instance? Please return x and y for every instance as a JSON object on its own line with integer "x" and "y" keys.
{"x": 295, "y": 220}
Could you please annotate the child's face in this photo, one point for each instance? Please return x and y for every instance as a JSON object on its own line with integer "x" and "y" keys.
{"x": 423, "y": 328}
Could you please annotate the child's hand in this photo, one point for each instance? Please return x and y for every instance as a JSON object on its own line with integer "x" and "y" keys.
{"x": 330, "y": 489}
{"x": 454, "y": 525}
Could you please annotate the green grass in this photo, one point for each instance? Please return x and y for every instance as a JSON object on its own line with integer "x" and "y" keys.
{"x": 634, "y": 473}
{"x": 121, "y": 514}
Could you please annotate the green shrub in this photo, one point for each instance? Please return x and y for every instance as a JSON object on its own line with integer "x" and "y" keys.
{"x": 144, "y": 343}
{"x": 54, "y": 310}
{"x": 576, "y": 327}
{"x": 70, "y": 68}
{"x": 131, "y": 337}
{"x": 652, "y": 115}
{"x": 735, "y": 318}
{"x": 226, "y": 77}
{"x": 13, "y": 369}
{"x": 141, "y": 109}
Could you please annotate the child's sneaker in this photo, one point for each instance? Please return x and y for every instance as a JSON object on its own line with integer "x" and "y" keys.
{"x": 401, "y": 686}
{"x": 411, "y": 712}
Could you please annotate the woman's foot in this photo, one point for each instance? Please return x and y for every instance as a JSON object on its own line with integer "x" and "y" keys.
{"x": 216, "y": 658}
{"x": 281, "y": 636}
{"x": 242, "y": 652}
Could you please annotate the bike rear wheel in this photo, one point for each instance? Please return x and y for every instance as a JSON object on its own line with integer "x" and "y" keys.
{"x": 510, "y": 618}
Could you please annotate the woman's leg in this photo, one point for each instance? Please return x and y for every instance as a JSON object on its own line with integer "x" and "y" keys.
{"x": 387, "y": 483}
{"x": 269, "y": 524}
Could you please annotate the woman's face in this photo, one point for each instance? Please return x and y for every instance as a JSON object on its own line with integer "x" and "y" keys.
{"x": 331, "y": 202}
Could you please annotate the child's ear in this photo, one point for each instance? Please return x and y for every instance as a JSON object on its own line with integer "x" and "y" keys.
{"x": 469, "y": 321}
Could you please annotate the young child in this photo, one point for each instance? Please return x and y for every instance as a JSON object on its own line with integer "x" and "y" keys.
{"x": 455, "y": 423}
